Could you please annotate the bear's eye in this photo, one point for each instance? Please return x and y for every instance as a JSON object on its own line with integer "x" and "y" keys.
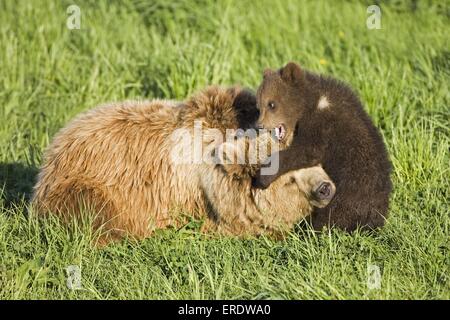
{"x": 271, "y": 105}
{"x": 290, "y": 182}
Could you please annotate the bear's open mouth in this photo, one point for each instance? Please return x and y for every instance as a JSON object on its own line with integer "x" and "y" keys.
{"x": 280, "y": 132}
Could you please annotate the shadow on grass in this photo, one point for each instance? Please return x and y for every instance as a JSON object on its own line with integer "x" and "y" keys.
{"x": 16, "y": 182}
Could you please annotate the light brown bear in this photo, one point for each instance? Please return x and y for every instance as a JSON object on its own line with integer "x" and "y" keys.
{"x": 115, "y": 160}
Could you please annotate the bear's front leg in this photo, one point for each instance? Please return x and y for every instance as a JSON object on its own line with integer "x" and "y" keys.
{"x": 281, "y": 162}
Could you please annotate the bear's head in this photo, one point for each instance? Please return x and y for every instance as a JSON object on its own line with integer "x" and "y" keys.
{"x": 282, "y": 100}
{"x": 295, "y": 191}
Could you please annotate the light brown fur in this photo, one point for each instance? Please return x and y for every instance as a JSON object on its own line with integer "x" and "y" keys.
{"x": 114, "y": 159}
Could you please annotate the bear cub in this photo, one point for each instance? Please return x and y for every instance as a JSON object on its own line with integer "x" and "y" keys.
{"x": 320, "y": 121}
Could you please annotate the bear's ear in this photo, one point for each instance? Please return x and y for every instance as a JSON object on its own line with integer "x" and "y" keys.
{"x": 291, "y": 73}
{"x": 267, "y": 72}
{"x": 244, "y": 99}
{"x": 244, "y": 104}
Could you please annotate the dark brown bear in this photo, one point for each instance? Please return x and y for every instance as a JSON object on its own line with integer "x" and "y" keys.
{"x": 319, "y": 120}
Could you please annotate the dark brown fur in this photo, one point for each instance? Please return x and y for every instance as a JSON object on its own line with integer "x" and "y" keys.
{"x": 340, "y": 136}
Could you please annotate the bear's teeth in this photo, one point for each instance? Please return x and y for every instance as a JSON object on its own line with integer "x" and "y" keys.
{"x": 281, "y": 132}
{"x": 278, "y": 133}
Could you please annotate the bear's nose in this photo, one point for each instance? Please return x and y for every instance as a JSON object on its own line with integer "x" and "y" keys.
{"x": 325, "y": 191}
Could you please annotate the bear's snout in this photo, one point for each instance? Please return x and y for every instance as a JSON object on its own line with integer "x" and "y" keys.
{"x": 324, "y": 192}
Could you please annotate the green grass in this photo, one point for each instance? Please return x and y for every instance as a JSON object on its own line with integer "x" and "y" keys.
{"x": 131, "y": 49}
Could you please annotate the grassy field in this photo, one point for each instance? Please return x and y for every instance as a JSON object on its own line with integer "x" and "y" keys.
{"x": 139, "y": 49}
